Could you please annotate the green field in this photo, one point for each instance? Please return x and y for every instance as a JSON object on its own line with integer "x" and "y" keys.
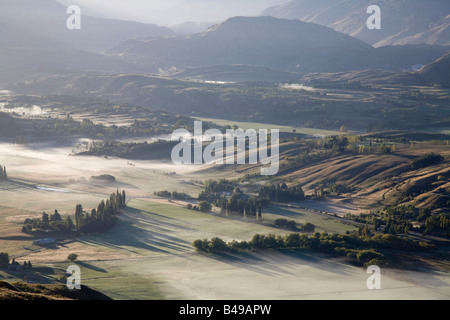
{"x": 148, "y": 253}
{"x": 322, "y": 222}
{"x": 257, "y": 126}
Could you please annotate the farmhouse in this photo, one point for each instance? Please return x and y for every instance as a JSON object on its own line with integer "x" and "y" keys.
{"x": 44, "y": 242}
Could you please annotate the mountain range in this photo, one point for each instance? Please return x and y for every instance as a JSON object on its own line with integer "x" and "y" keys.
{"x": 274, "y": 43}
{"x": 35, "y": 40}
{"x": 437, "y": 72}
{"x": 402, "y": 21}
{"x": 31, "y": 23}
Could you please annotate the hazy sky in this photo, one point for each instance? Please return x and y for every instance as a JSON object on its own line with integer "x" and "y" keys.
{"x": 170, "y": 12}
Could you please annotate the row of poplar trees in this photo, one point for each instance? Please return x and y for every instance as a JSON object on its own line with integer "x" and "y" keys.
{"x": 3, "y": 175}
{"x": 97, "y": 220}
{"x": 103, "y": 217}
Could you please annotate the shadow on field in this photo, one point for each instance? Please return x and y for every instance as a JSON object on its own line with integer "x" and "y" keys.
{"x": 278, "y": 210}
{"x": 18, "y": 238}
{"x": 16, "y": 184}
{"x": 320, "y": 261}
{"x": 276, "y": 262}
{"x": 34, "y": 275}
{"x": 89, "y": 266}
{"x": 135, "y": 231}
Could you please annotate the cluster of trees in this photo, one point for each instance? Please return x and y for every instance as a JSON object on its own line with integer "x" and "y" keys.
{"x": 172, "y": 195}
{"x": 232, "y": 201}
{"x": 292, "y": 225}
{"x": 97, "y": 220}
{"x": 319, "y": 149}
{"x": 69, "y": 126}
{"x": 426, "y": 160}
{"x": 202, "y": 206}
{"x": 4, "y": 262}
{"x": 402, "y": 219}
{"x": 25, "y": 265}
{"x": 281, "y": 193}
{"x": 103, "y": 217}
{"x": 48, "y": 222}
{"x": 438, "y": 223}
{"x": 4, "y": 259}
{"x": 335, "y": 143}
{"x": 131, "y": 150}
{"x": 3, "y": 175}
{"x": 324, "y": 189}
{"x": 372, "y": 148}
{"x": 283, "y": 223}
{"x": 239, "y": 204}
{"x": 104, "y": 177}
{"x": 217, "y": 186}
{"x": 215, "y": 190}
{"x": 366, "y": 250}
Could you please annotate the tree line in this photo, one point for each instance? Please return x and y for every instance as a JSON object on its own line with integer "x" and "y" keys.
{"x": 281, "y": 193}
{"x": 232, "y": 201}
{"x": 3, "y": 174}
{"x": 403, "y": 219}
{"x": 97, "y": 220}
{"x": 4, "y": 262}
{"x": 172, "y": 195}
{"x": 366, "y": 250}
{"x": 426, "y": 160}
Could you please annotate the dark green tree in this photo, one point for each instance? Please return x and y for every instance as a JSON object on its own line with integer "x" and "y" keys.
{"x": 55, "y": 216}
{"x": 72, "y": 257}
{"x": 204, "y": 206}
{"x": 78, "y": 216}
{"x": 4, "y": 259}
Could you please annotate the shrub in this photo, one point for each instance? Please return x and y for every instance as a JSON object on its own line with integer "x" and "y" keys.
{"x": 204, "y": 206}
{"x": 217, "y": 245}
{"x": 283, "y": 223}
{"x": 4, "y": 259}
{"x": 426, "y": 160}
{"x": 293, "y": 240}
{"x": 308, "y": 227}
{"x": 237, "y": 246}
{"x": 280, "y": 222}
{"x": 72, "y": 257}
{"x": 365, "y": 256}
{"x": 257, "y": 241}
{"x": 201, "y": 245}
{"x": 375, "y": 262}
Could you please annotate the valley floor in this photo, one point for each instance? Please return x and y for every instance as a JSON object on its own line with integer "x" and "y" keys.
{"x": 148, "y": 254}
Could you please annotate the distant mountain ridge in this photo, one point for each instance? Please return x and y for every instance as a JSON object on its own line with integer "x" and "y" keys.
{"x": 272, "y": 43}
{"x": 43, "y": 20}
{"x": 402, "y": 21}
{"x": 437, "y": 72}
{"x": 191, "y": 27}
{"x": 35, "y": 39}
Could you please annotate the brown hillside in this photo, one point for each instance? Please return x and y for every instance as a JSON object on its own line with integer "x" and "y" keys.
{"x": 38, "y": 292}
{"x": 377, "y": 180}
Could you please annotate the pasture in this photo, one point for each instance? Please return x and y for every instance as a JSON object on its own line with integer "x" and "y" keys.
{"x": 148, "y": 254}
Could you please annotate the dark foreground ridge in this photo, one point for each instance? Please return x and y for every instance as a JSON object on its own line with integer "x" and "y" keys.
{"x": 39, "y": 292}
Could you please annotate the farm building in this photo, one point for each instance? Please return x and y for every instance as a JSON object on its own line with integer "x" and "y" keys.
{"x": 44, "y": 242}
